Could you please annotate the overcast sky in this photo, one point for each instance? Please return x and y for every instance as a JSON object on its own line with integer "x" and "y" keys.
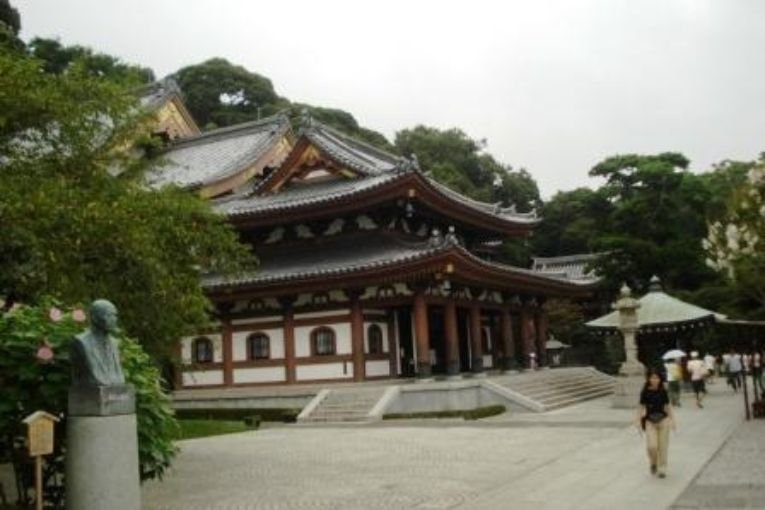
{"x": 554, "y": 86}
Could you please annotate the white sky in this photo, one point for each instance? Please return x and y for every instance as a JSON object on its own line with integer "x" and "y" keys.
{"x": 554, "y": 86}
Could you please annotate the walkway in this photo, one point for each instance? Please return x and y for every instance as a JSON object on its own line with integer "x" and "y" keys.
{"x": 585, "y": 456}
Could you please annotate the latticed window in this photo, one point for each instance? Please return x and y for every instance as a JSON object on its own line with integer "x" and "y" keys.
{"x": 259, "y": 346}
{"x": 323, "y": 341}
{"x": 202, "y": 350}
{"x": 375, "y": 338}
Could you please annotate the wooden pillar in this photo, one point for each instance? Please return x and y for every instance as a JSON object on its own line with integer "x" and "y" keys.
{"x": 228, "y": 352}
{"x": 357, "y": 337}
{"x": 392, "y": 343}
{"x": 540, "y": 324}
{"x": 527, "y": 335}
{"x": 506, "y": 337}
{"x": 452, "y": 338}
{"x": 476, "y": 345}
{"x": 289, "y": 340}
{"x": 422, "y": 334}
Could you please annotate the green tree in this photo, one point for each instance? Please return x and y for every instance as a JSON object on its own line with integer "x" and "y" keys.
{"x": 78, "y": 222}
{"x": 571, "y": 222}
{"x": 58, "y": 58}
{"x": 657, "y": 221}
{"x": 10, "y": 26}
{"x": 458, "y": 161}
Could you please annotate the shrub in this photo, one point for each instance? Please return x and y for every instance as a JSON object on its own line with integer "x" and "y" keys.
{"x": 465, "y": 414}
{"x": 35, "y": 375}
{"x": 285, "y": 415}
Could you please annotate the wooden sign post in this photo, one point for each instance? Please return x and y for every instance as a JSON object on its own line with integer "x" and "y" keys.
{"x": 40, "y": 442}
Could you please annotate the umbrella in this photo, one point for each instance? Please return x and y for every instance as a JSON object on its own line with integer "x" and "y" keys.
{"x": 674, "y": 354}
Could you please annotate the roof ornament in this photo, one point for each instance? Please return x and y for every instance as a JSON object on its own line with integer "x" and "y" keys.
{"x": 654, "y": 285}
{"x": 415, "y": 161}
{"x": 436, "y": 239}
{"x": 510, "y": 209}
{"x": 306, "y": 119}
{"x": 451, "y": 236}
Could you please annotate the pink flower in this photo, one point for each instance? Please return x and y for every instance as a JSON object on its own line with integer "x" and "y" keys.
{"x": 78, "y": 315}
{"x": 55, "y": 314}
{"x": 45, "y": 353}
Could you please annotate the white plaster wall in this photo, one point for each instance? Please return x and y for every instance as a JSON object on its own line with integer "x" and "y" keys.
{"x": 342, "y": 339}
{"x": 325, "y": 313}
{"x": 377, "y": 368}
{"x": 260, "y": 375}
{"x": 325, "y": 371}
{"x": 239, "y": 343}
{"x": 384, "y": 328}
{"x": 217, "y": 341}
{"x": 202, "y": 377}
{"x": 257, "y": 320}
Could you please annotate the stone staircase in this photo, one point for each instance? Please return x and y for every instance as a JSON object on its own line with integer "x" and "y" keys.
{"x": 561, "y": 387}
{"x": 350, "y": 404}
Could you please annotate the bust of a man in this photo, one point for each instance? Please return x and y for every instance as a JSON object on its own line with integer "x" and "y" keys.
{"x": 95, "y": 353}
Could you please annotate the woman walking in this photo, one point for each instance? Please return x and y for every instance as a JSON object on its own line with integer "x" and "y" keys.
{"x": 655, "y": 416}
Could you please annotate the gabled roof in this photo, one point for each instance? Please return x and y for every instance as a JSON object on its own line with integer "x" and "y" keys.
{"x": 218, "y": 154}
{"x": 155, "y": 96}
{"x": 659, "y": 311}
{"x": 369, "y": 255}
{"x": 376, "y": 171}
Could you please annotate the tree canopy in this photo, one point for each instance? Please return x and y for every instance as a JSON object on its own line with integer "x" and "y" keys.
{"x": 74, "y": 229}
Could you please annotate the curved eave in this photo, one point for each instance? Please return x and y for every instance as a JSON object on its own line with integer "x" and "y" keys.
{"x": 660, "y": 326}
{"x": 406, "y": 185}
{"x": 451, "y": 261}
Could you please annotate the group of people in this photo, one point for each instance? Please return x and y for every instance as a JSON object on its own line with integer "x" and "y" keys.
{"x": 655, "y": 410}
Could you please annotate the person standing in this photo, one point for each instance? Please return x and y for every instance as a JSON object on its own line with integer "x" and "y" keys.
{"x": 655, "y": 417}
{"x": 698, "y": 370}
{"x": 734, "y": 370}
{"x": 709, "y": 361}
{"x": 673, "y": 381}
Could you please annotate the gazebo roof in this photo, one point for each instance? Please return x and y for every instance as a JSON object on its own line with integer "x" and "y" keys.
{"x": 659, "y": 310}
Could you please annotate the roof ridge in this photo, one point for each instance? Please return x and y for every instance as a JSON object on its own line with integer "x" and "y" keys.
{"x": 279, "y": 119}
{"x": 315, "y": 124}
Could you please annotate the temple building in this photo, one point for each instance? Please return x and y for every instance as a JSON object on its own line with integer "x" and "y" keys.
{"x": 368, "y": 267}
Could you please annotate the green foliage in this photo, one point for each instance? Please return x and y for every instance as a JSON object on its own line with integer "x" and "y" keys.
{"x": 466, "y": 414}
{"x": 460, "y": 162}
{"x": 74, "y": 230}
{"x": 57, "y": 59}
{"x": 192, "y": 429}
{"x": 9, "y": 16}
{"x": 285, "y": 415}
{"x": 655, "y": 223}
{"x": 35, "y": 375}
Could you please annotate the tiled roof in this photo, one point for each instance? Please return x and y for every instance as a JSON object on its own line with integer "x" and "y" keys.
{"x": 376, "y": 168}
{"x": 570, "y": 267}
{"x": 296, "y": 197}
{"x": 329, "y": 256}
{"x": 155, "y": 94}
{"x": 217, "y": 154}
{"x": 348, "y": 254}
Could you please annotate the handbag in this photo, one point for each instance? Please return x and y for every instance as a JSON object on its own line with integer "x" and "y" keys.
{"x": 656, "y": 417}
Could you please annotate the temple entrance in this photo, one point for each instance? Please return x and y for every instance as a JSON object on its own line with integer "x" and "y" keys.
{"x": 437, "y": 339}
{"x": 463, "y": 334}
{"x": 405, "y": 342}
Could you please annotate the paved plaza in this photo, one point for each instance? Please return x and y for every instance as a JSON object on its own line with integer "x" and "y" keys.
{"x": 587, "y": 456}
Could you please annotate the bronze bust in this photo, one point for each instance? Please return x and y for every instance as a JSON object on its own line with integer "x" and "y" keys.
{"x": 95, "y": 353}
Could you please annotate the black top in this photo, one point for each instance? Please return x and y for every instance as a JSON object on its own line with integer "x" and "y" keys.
{"x": 654, "y": 400}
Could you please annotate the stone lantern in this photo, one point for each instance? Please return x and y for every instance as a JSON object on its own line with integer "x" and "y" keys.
{"x": 631, "y": 372}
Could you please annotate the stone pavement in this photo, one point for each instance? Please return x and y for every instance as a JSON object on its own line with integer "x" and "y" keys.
{"x": 735, "y": 477}
{"x": 586, "y": 456}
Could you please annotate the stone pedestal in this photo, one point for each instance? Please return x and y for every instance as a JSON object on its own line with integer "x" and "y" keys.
{"x": 627, "y": 391}
{"x": 102, "y": 449}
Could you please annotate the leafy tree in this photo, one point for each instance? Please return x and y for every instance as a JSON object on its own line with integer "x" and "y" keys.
{"x": 656, "y": 222}
{"x": 571, "y": 222}
{"x": 58, "y": 58}
{"x": 460, "y": 162}
{"x": 219, "y": 93}
{"x": 735, "y": 246}
{"x": 35, "y": 374}
{"x": 10, "y": 26}
{"x": 74, "y": 229}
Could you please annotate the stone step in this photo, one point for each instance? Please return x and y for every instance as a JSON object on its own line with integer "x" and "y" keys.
{"x": 543, "y": 392}
{"x": 528, "y": 384}
{"x": 583, "y": 398}
{"x": 573, "y": 394}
